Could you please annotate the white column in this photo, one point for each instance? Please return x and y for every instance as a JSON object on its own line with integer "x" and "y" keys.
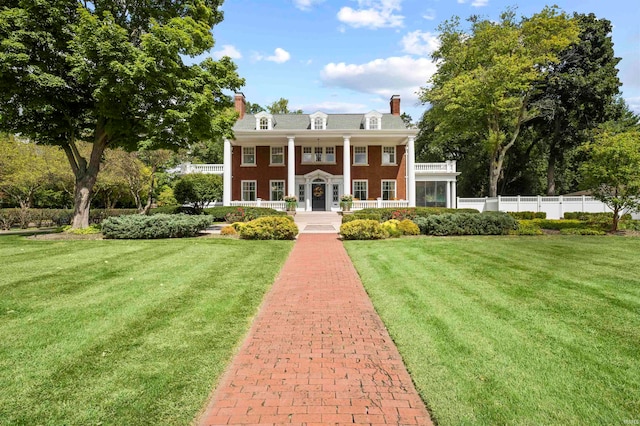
{"x": 346, "y": 166}
{"x": 291, "y": 167}
{"x": 411, "y": 171}
{"x": 448, "y": 195}
{"x": 226, "y": 174}
{"x": 454, "y": 195}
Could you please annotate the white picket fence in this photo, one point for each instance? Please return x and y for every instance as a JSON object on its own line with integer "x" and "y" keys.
{"x": 554, "y": 207}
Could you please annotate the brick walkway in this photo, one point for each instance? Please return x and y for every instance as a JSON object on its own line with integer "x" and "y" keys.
{"x": 317, "y": 354}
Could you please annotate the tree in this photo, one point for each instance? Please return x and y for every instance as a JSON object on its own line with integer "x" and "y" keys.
{"x": 111, "y": 72}
{"x": 198, "y": 189}
{"x": 407, "y": 120}
{"x": 577, "y": 93}
{"x": 154, "y": 160}
{"x": 281, "y": 106}
{"x": 612, "y": 171}
{"x": 26, "y": 168}
{"x": 486, "y": 78}
{"x": 253, "y": 108}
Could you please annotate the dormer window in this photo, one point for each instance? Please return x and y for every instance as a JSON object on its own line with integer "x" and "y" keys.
{"x": 318, "y": 121}
{"x": 264, "y": 121}
{"x": 373, "y": 121}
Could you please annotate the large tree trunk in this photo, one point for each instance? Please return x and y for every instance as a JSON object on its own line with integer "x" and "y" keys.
{"x": 551, "y": 176}
{"x": 86, "y": 174}
{"x": 554, "y": 158}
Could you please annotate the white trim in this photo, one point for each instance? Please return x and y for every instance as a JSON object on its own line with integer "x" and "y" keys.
{"x": 366, "y": 155}
{"x": 346, "y": 163}
{"x": 318, "y": 115}
{"x": 259, "y": 119}
{"x": 226, "y": 174}
{"x": 291, "y": 165}
{"x": 366, "y": 190}
{"x": 377, "y": 125}
{"x": 395, "y": 188}
{"x": 242, "y": 190}
{"x": 242, "y": 154}
{"x": 284, "y": 185}
{"x": 271, "y": 148}
{"x": 411, "y": 171}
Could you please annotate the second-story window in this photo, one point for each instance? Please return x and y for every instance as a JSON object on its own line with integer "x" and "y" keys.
{"x": 248, "y": 155}
{"x": 277, "y": 155}
{"x": 388, "y": 155}
{"x": 359, "y": 155}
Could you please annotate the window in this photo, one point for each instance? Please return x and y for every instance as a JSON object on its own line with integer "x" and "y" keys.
{"x": 373, "y": 123}
{"x": 360, "y": 189}
{"x": 248, "y": 155}
{"x": 307, "y": 154}
{"x": 360, "y": 155}
{"x": 318, "y": 123}
{"x": 277, "y": 155}
{"x": 388, "y": 189}
{"x": 301, "y": 193}
{"x": 248, "y": 190}
{"x": 330, "y": 154}
{"x": 336, "y": 193}
{"x": 388, "y": 155}
{"x": 318, "y": 120}
{"x": 264, "y": 123}
{"x": 373, "y": 120}
{"x": 319, "y": 154}
{"x": 277, "y": 190}
{"x": 431, "y": 194}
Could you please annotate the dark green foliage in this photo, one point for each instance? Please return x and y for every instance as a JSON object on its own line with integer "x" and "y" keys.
{"x": 174, "y": 210}
{"x": 409, "y": 212}
{"x": 137, "y": 227}
{"x": 557, "y": 224}
{"x": 582, "y": 231}
{"x": 363, "y": 229}
{"x": 360, "y": 216}
{"x": 198, "y": 189}
{"x": 527, "y": 215}
{"x": 590, "y": 216}
{"x": 631, "y": 225}
{"x": 242, "y": 214}
{"x": 39, "y": 218}
{"x": 269, "y": 228}
{"x": 491, "y": 223}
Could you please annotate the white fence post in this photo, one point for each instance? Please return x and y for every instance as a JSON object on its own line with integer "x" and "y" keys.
{"x": 379, "y": 200}
{"x": 258, "y": 202}
{"x": 518, "y": 204}
{"x": 560, "y": 207}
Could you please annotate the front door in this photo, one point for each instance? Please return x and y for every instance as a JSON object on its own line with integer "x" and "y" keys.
{"x": 318, "y": 200}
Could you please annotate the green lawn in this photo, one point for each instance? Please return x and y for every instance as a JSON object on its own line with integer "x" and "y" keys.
{"x": 513, "y": 330}
{"x": 123, "y": 332}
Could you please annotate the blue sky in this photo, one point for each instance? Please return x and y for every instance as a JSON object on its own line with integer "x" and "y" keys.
{"x": 352, "y": 55}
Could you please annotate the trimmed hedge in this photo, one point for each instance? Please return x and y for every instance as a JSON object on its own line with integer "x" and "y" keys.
{"x": 528, "y": 215}
{"x": 527, "y": 227}
{"x": 581, "y": 231}
{"x": 489, "y": 223}
{"x": 592, "y": 216}
{"x": 360, "y": 216}
{"x": 136, "y": 227}
{"x": 249, "y": 213}
{"x": 23, "y": 218}
{"x": 409, "y": 212}
{"x": 363, "y": 229}
{"x": 558, "y": 224}
{"x": 268, "y": 228}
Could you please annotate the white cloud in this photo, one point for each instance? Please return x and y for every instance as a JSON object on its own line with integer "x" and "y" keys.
{"x": 402, "y": 76}
{"x": 333, "y": 107}
{"x": 279, "y": 56}
{"x": 227, "y": 50}
{"x": 634, "y": 104}
{"x": 479, "y": 3}
{"x": 420, "y": 43}
{"x": 306, "y": 4}
{"x": 429, "y": 15}
{"x": 373, "y": 14}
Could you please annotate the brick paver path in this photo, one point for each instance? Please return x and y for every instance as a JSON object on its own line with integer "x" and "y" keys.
{"x": 317, "y": 353}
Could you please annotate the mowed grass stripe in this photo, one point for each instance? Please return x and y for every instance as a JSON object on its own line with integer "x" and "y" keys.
{"x": 513, "y": 330}
{"x": 138, "y": 339}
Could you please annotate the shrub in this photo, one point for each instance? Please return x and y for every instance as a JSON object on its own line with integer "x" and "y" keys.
{"x": 587, "y": 216}
{"x": 411, "y": 212}
{"x": 360, "y": 216}
{"x": 558, "y": 224}
{"x": 228, "y": 230}
{"x": 269, "y": 228}
{"x": 8, "y": 217}
{"x": 408, "y": 227}
{"x": 219, "y": 214}
{"x": 581, "y": 231}
{"x": 155, "y": 226}
{"x": 198, "y": 189}
{"x": 631, "y": 225}
{"x": 363, "y": 229}
{"x": 528, "y": 215}
{"x": 91, "y": 229}
{"x": 490, "y": 223}
{"x": 401, "y": 214}
{"x": 527, "y": 227}
{"x": 96, "y": 216}
{"x": 391, "y": 226}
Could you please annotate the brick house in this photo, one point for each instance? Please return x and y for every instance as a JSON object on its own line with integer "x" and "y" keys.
{"x": 319, "y": 157}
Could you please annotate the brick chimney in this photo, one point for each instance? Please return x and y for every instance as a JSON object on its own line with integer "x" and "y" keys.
{"x": 240, "y": 105}
{"x": 395, "y": 104}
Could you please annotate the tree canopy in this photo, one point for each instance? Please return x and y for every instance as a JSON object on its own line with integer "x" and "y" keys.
{"x": 487, "y": 76}
{"x": 112, "y": 73}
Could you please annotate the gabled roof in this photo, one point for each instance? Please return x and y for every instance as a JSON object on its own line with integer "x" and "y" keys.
{"x": 334, "y": 122}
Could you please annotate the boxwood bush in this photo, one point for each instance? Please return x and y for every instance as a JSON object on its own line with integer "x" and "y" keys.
{"x": 488, "y": 223}
{"x": 527, "y": 227}
{"x": 361, "y": 216}
{"x": 559, "y": 224}
{"x": 269, "y": 228}
{"x": 363, "y": 229}
{"x": 244, "y": 214}
{"x": 154, "y": 226}
{"x": 23, "y": 218}
{"x": 581, "y": 231}
{"x": 400, "y": 213}
{"x": 528, "y": 215}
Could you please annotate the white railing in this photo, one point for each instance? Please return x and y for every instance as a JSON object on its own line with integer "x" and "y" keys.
{"x": 188, "y": 168}
{"x": 554, "y": 207}
{"x": 379, "y": 203}
{"x": 277, "y": 205}
{"x": 446, "y": 167}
